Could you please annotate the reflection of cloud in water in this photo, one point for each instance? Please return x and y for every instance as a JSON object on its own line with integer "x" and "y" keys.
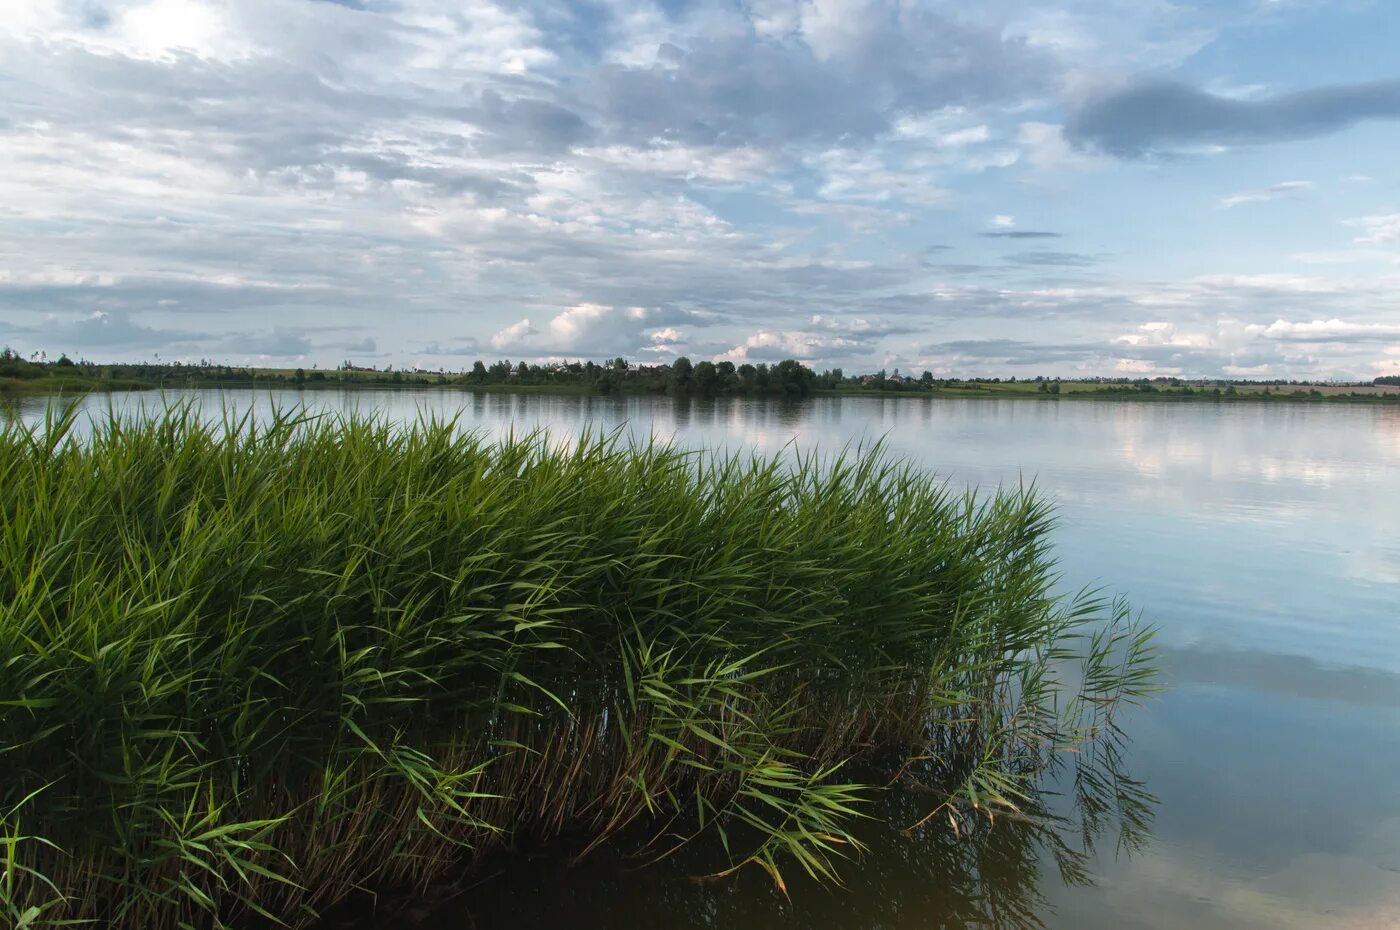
{"x": 1375, "y": 566}
{"x": 1294, "y": 676}
{"x": 1172, "y": 887}
{"x": 1321, "y": 474}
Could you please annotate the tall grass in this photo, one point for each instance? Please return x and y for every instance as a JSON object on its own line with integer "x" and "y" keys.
{"x": 247, "y": 668}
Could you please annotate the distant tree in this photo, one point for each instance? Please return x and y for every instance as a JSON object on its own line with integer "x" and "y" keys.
{"x": 728, "y": 377}
{"x": 300, "y": 376}
{"x": 682, "y": 375}
{"x": 793, "y": 378}
{"x": 706, "y": 379}
{"x": 478, "y": 375}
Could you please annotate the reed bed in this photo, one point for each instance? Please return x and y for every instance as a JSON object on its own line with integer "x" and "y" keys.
{"x": 247, "y": 668}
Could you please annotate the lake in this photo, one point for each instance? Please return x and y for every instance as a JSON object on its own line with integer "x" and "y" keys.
{"x": 1262, "y": 539}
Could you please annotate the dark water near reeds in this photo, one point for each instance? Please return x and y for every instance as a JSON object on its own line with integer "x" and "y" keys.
{"x": 1263, "y": 540}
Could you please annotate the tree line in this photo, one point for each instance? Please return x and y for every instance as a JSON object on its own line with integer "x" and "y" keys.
{"x": 617, "y": 375}
{"x": 683, "y": 377}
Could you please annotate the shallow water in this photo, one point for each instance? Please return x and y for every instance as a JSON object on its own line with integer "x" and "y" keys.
{"x": 1263, "y": 540}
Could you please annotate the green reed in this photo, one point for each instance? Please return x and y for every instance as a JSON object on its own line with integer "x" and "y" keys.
{"x": 247, "y": 668}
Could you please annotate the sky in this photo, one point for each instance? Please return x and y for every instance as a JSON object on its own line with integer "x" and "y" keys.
{"x": 1058, "y": 187}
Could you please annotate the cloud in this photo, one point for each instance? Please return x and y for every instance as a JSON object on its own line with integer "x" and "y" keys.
{"x": 411, "y": 179}
{"x": 850, "y": 174}
{"x": 1262, "y": 194}
{"x": 107, "y": 330}
{"x": 1066, "y": 259}
{"x": 858, "y": 327}
{"x": 277, "y": 342}
{"x": 110, "y": 329}
{"x": 514, "y": 336}
{"x": 1158, "y": 117}
{"x": 776, "y": 345}
{"x": 1045, "y": 148}
{"x": 367, "y": 346}
{"x": 818, "y": 73}
{"x": 1011, "y": 352}
{"x": 824, "y": 339}
{"x": 1327, "y": 331}
{"x": 1378, "y": 230}
{"x": 465, "y": 347}
{"x": 1221, "y": 347}
{"x": 861, "y": 218}
{"x": 593, "y": 329}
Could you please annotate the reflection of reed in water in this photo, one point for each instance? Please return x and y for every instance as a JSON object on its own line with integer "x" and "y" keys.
{"x": 959, "y": 869}
{"x": 969, "y": 870}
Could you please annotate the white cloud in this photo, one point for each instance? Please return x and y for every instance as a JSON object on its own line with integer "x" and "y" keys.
{"x": 1046, "y": 149}
{"x": 589, "y": 329}
{"x": 1380, "y": 229}
{"x": 1164, "y": 334}
{"x": 1322, "y": 330}
{"x": 514, "y": 335}
{"x": 942, "y": 128}
{"x": 706, "y": 164}
{"x": 776, "y": 345}
{"x": 837, "y": 27}
{"x": 167, "y": 27}
{"x": 866, "y": 175}
{"x": 1279, "y": 282}
{"x": 1262, "y": 194}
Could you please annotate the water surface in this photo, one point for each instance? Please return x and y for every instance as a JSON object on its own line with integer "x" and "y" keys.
{"x": 1263, "y": 540}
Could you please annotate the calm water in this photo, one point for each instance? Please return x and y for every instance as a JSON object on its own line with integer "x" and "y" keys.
{"x": 1263, "y": 540}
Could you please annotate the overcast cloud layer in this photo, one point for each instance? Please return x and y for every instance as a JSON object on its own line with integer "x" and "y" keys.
{"x": 1065, "y": 187}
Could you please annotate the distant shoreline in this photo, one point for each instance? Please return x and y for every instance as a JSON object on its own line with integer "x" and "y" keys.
{"x": 1070, "y": 391}
{"x": 788, "y": 378}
